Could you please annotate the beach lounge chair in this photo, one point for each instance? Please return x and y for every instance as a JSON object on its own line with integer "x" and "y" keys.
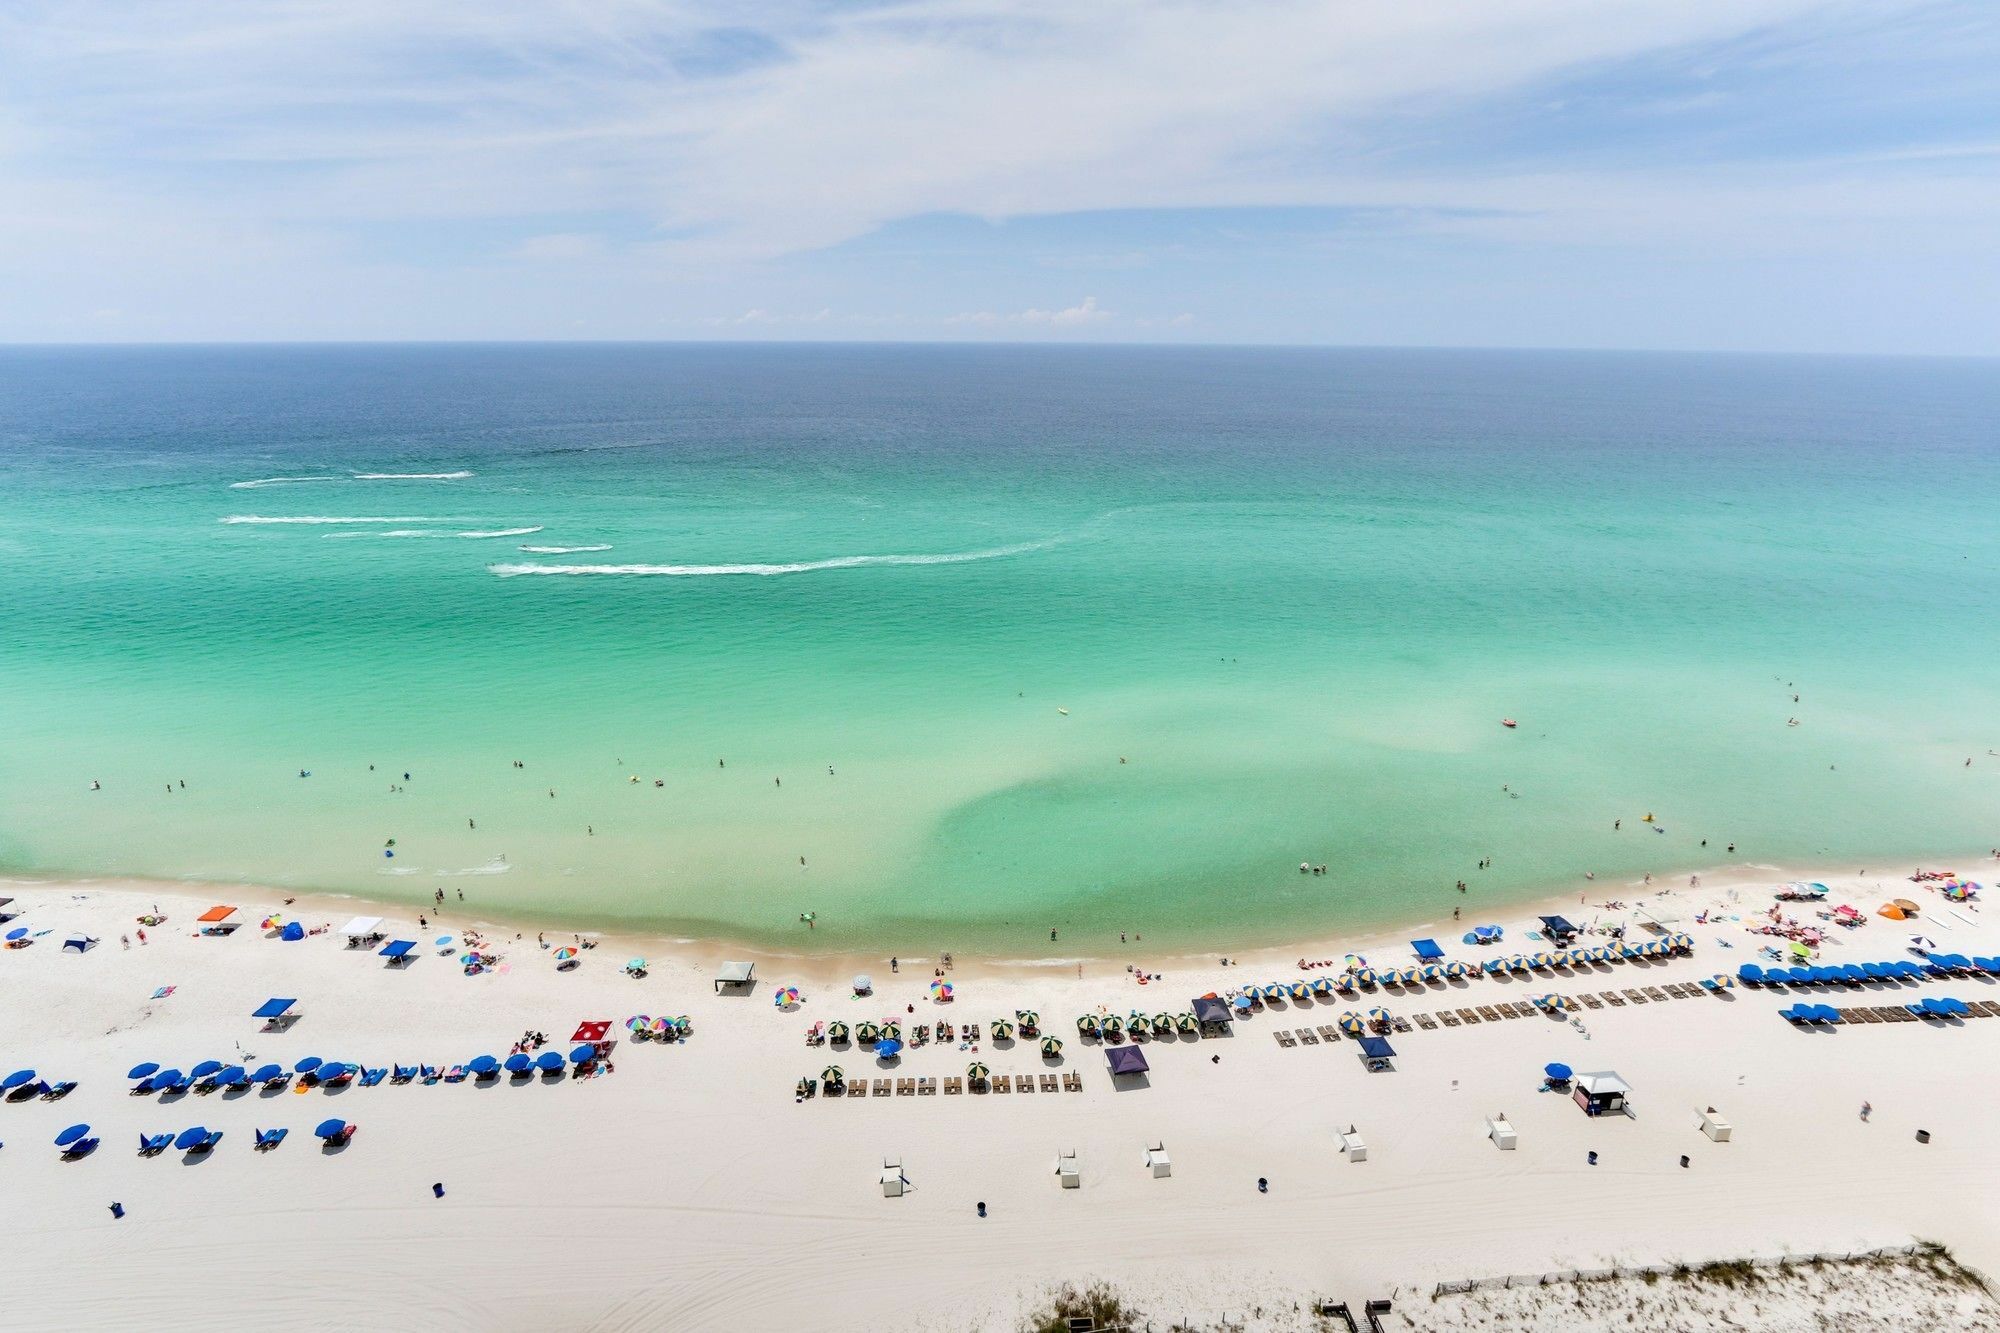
{"x": 1328, "y": 1032}
{"x": 881, "y": 1087}
{"x": 1050, "y": 1084}
{"x": 1000, "y": 1085}
{"x": 952, "y": 1086}
{"x": 1590, "y": 1001}
{"x": 268, "y": 1139}
{"x": 1426, "y": 1022}
{"x": 1489, "y": 1013}
{"x": 926, "y": 1087}
{"x": 1655, "y": 993}
{"x": 1072, "y": 1082}
{"x": 59, "y": 1091}
{"x": 403, "y": 1074}
{"x": 1612, "y": 998}
{"x": 1448, "y": 1018}
{"x": 1024, "y": 1082}
{"x": 370, "y": 1077}
{"x": 1284, "y": 1038}
{"x": 906, "y": 1087}
{"x": 1307, "y": 1036}
{"x": 1634, "y": 997}
{"x": 858, "y": 1088}
{"x": 80, "y": 1148}
{"x": 1399, "y": 1023}
{"x": 1468, "y": 1016}
{"x": 152, "y": 1145}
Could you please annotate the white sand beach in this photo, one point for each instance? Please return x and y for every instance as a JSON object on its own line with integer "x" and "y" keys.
{"x": 689, "y": 1189}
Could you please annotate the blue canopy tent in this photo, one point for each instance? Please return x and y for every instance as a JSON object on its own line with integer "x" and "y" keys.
{"x": 275, "y": 1010}
{"x": 1560, "y": 928}
{"x": 143, "y": 1070}
{"x": 580, "y": 1054}
{"x": 292, "y": 931}
{"x": 520, "y": 1062}
{"x": 397, "y": 950}
{"x": 1125, "y": 1060}
{"x": 1375, "y": 1052}
{"x": 1427, "y": 950}
{"x": 549, "y": 1061}
{"x": 1209, "y": 1010}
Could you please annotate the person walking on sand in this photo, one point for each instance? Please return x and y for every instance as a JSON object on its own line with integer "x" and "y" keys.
{"x": 1867, "y": 1109}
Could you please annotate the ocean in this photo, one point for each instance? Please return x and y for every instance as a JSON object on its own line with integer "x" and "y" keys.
{"x": 950, "y": 647}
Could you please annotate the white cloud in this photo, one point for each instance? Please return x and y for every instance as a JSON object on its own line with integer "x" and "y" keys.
{"x": 1083, "y": 313}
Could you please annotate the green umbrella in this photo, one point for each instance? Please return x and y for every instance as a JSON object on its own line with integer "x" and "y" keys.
{"x": 1163, "y": 1022}
{"x": 976, "y": 1072}
{"x": 1137, "y": 1022}
{"x": 1185, "y": 1022}
{"x": 833, "y": 1076}
{"x": 1085, "y": 1023}
{"x": 868, "y": 1031}
{"x": 1110, "y": 1023}
{"x": 1027, "y": 1018}
{"x": 1002, "y": 1029}
{"x": 1051, "y": 1047}
{"x": 837, "y": 1030}
{"x": 893, "y": 1031}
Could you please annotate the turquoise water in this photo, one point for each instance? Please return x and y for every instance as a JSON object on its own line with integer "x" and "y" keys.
{"x": 1284, "y": 596}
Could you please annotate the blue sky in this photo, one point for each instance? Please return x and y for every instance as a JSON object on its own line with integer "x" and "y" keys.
{"x": 1756, "y": 174}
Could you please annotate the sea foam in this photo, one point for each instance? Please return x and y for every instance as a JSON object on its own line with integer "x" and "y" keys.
{"x": 320, "y": 519}
{"x": 501, "y": 532}
{"x": 277, "y": 481}
{"x": 765, "y": 571}
{"x": 411, "y": 476}
{"x": 564, "y": 550}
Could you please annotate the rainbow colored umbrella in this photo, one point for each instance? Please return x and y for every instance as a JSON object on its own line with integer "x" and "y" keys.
{"x": 786, "y": 997}
{"x": 638, "y": 1023}
{"x": 564, "y": 954}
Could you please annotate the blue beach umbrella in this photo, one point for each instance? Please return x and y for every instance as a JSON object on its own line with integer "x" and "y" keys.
{"x": 1559, "y": 1072}
{"x": 18, "y": 933}
{"x": 265, "y": 1073}
{"x": 71, "y": 1135}
{"x": 334, "y": 1069}
{"x": 207, "y": 1067}
{"x": 885, "y": 1049}
{"x": 167, "y": 1077}
{"x": 190, "y": 1137}
{"x": 307, "y": 1065}
{"x": 549, "y": 1060}
{"x": 580, "y": 1054}
{"x": 443, "y": 941}
{"x": 520, "y": 1062}
{"x": 231, "y": 1074}
{"x": 482, "y": 1064}
{"x": 328, "y": 1128}
{"x": 17, "y": 1078}
{"x": 143, "y": 1070}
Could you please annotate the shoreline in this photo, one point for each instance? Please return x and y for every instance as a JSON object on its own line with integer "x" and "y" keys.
{"x": 820, "y": 965}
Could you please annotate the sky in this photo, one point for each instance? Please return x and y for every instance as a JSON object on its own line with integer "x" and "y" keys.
{"x": 1765, "y": 175}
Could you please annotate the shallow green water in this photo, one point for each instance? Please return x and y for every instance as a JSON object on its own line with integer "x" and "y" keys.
{"x": 1293, "y": 591}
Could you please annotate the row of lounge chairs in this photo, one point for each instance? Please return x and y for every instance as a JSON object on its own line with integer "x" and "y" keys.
{"x": 1861, "y": 974}
{"x": 999, "y": 1084}
{"x": 1806, "y": 1015}
{"x": 1498, "y": 1011}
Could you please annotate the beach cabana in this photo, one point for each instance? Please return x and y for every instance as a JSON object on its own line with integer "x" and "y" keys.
{"x": 362, "y": 930}
{"x": 1426, "y": 950}
{"x": 1209, "y": 1011}
{"x": 1558, "y": 929}
{"x": 79, "y": 943}
{"x": 1125, "y": 1060}
{"x": 292, "y": 933}
{"x": 276, "y": 1013}
{"x": 399, "y": 951}
{"x": 215, "y": 921}
{"x": 1376, "y": 1053}
{"x": 1601, "y": 1093}
{"x": 735, "y": 974}
{"x": 1485, "y": 935}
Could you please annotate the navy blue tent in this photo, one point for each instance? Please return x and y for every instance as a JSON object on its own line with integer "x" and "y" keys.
{"x": 1125, "y": 1060}
{"x": 292, "y": 931}
{"x": 273, "y": 1008}
{"x": 1558, "y": 926}
{"x": 190, "y": 1137}
{"x": 330, "y": 1128}
{"x": 1375, "y": 1048}
{"x": 397, "y": 948}
{"x": 1208, "y": 1009}
{"x": 549, "y": 1060}
{"x": 520, "y": 1062}
{"x": 1427, "y": 949}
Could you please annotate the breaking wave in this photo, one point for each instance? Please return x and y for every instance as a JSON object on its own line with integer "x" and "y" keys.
{"x": 319, "y": 519}
{"x": 564, "y": 550}
{"x": 765, "y": 571}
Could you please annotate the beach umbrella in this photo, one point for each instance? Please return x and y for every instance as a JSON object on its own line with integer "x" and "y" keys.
{"x": 71, "y": 1135}
{"x": 334, "y": 1069}
{"x": 520, "y": 1062}
{"x": 1027, "y": 1018}
{"x": 1085, "y": 1023}
{"x": 443, "y": 941}
{"x": 940, "y": 990}
{"x": 833, "y": 1075}
{"x": 482, "y": 1064}
{"x": 307, "y": 1065}
{"x": 1163, "y": 1023}
{"x": 867, "y": 1031}
{"x": 141, "y": 1071}
{"x": 1541, "y": 960}
{"x": 1137, "y": 1021}
{"x": 1322, "y": 986}
{"x": 1051, "y": 1046}
{"x": 1559, "y": 1003}
{"x": 1273, "y": 991}
{"x": 1112, "y": 1023}
{"x": 660, "y": 1027}
{"x": 1186, "y": 1023}
{"x": 1559, "y": 1072}
{"x": 581, "y": 1054}
{"x": 888, "y": 1049}
{"x": 892, "y": 1030}
{"x": 1343, "y": 982}
{"x": 1494, "y": 966}
{"x": 786, "y": 997}
{"x": 1432, "y": 973}
{"x": 564, "y": 954}
{"x": 167, "y": 1078}
{"x": 1379, "y": 1015}
{"x": 837, "y": 1030}
{"x": 1241, "y": 1003}
{"x": 976, "y": 1071}
{"x": 638, "y": 1023}
{"x": 1353, "y": 961}
{"x": 1298, "y": 990}
{"x": 1723, "y": 981}
{"x": 17, "y": 1078}
{"x": 1364, "y": 976}
{"x": 190, "y": 1137}
{"x": 206, "y": 1067}
{"x": 1539, "y": 1001}
{"x": 231, "y": 1075}
{"x": 1455, "y": 969}
{"x": 265, "y": 1073}
{"x": 549, "y": 1061}
{"x": 330, "y": 1128}
{"x": 468, "y": 958}
{"x": 1350, "y": 1023}
{"x": 18, "y": 933}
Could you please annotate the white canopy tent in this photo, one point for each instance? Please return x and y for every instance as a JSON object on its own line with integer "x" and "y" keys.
{"x": 735, "y": 974}
{"x": 361, "y": 927}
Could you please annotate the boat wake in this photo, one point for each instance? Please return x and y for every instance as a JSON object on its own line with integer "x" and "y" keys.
{"x": 321, "y": 519}
{"x": 258, "y": 483}
{"x": 564, "y": 550}
{"x": 509, "y": 571}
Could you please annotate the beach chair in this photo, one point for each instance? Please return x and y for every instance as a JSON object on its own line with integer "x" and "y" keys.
{"x": 1049, "y": 1083}
{"x": 1489, "y": 1013}
{"x": 1328, "y": 1032}
{"x": 1590, "y": 1001}
{"x": 906, "y": 1087}
{"x": 1399, "y": 1023}
{"x": 152, "y": 1145}
{"x": 881, "y": 1087}
{"x": 1072, "y": 1082}
{"x": 858, "y": 1088}
{"x": 1307, "y": 1036}
{"x": 1612, "y": 998}
{"x": 1634, "y": 997}
{"x": 370, "y": 1077}
{"x": 1450, "y": 1019}
{"x": 926, "y": 1087}
{"x": 1468, "y": 1016}
{"x": 1284, "y": 1038}
{"x": 268, "y": 1139}
{"x": 80, "y": 1148}
{"x": 1024, "y": 1082}
{"x": 952, "y": 1086}
{"x": 999, "y": 1084}
{"x": 1655, "y": 993}
{"x": 1426, "y": 1022}
{"x": 1983, "y": 1008}
{"x": 59, "y": 1091}
{"x": 403, "y": 1074}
